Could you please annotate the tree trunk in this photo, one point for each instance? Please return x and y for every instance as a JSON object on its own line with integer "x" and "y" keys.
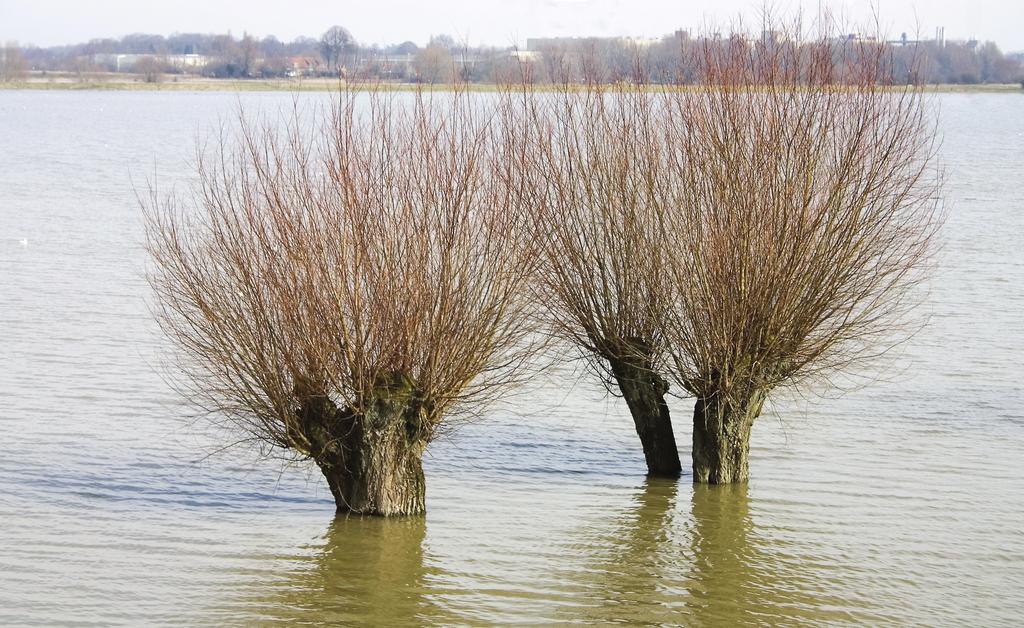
{"x": 377, "y": 473}
{"x": 372, "y": 460}
{"x": 721, "y": 437}
{"x": 644, "y": 392}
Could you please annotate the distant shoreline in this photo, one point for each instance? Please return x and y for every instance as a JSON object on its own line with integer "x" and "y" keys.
{"x": 200, "y": 84}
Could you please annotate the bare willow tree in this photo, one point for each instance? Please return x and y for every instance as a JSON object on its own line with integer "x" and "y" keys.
{"x": 335, "y": 45}
{"x": 594, "y": 160}
{"x": 346, "y": 293}
{"x": 806, "y": 211}
{"x": 12, "y": 62}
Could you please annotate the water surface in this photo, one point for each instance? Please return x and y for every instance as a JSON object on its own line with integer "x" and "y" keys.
{"x": 902, "y": 502}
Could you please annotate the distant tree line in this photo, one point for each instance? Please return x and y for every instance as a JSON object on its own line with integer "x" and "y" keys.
{"x": 675, "y": 59}
{"x": 670, "y": 59}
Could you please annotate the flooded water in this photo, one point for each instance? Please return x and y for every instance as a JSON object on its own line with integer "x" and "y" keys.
{"x": 902, "y": 502}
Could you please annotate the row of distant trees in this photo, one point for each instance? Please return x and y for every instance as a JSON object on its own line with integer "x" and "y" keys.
{"x": 674, "y": 59}
{"x": 443, "y": 59}
{"x": 335, "y": 53}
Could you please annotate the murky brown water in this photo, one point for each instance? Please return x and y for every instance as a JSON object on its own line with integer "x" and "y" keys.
{"x": 902, "y": 502}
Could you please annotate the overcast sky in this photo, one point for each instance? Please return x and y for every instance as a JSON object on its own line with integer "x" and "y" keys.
{"x": 508, "y": 22}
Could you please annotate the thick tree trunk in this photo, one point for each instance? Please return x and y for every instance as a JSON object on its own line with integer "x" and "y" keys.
{"x": 377, "y": 473}
{"x": 721, "y": 437}
{"x": 372, "y": 460}
{"x": 644, "y": 392}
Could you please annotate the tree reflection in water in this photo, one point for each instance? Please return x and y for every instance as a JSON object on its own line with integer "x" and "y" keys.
{"x": 635, "y": 560}
{"x": 744, "y": 573}
{"x": 370, "y": 570}
{"x": 651, "y": 563}
{"x": 659, "y": 564}
{"x": 727, "y": 570}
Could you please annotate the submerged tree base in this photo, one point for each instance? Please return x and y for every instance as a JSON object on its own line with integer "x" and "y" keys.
{"x": 644, "y": 391}
{"x": 372, "y": 460}
{"x": 385, "y": 478}
{"x": 721, "y": 437}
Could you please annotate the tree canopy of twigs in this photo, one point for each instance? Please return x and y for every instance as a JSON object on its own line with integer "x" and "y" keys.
{"x": 768, "y": 223}
{"x": 346, "y": 292}
{"x": 807, "y": 209}
{"x": 594, "y": 157}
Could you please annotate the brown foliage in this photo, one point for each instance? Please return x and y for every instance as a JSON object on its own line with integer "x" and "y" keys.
{"x": 593, "y": 158}
{"x": 807, "y": 195}
{"x": 379, "y": 253}
{"x": 767, "y": 224}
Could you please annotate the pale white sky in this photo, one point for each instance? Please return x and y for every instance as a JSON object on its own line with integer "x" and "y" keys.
{"x": 49, "y": 22}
